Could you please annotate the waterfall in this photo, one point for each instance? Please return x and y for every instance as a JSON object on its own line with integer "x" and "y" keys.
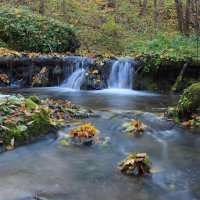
{"x": 75, "y": 80}
{"x": 122, "y": 74}
{"x": 74, "y": 70}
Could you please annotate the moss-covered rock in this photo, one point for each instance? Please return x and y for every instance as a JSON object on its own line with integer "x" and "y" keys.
{"x": 35, "y": 99}
{"x": 19, "y": 133}
{"x": 41, "y": 122}
{"x": 190, "y": 101}
{"x": 38, "y": 125}
{"x": 29, "y": 103}
{"x": 23, "y": 120}
{"x": 137, "y": 164}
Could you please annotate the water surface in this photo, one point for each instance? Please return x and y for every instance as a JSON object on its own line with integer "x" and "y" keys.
{"x": 51, "y": 171}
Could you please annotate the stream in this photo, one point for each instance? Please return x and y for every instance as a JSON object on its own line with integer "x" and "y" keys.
{"x": 46, "y": 170}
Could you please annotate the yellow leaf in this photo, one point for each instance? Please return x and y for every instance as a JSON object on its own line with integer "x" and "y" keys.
{"x": 9, "y": 148}
{"x": 187, "y": 123}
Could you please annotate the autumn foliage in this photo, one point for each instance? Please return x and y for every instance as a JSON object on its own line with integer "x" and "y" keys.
{"x": 83, "y": 132}
{"x": 134, "y": 126}
{"x": 27, "y": 118}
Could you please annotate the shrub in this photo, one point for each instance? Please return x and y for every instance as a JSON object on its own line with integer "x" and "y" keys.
{"x": 23, "y": 31}
{"x": 3, "y": 44}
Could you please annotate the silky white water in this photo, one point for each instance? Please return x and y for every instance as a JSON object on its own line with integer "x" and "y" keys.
{"x": 75, "y": 80}
{"x": 74, "y": 72}
{"x": 122, "y": 74}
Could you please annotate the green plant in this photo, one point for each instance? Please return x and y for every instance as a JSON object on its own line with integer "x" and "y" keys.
{"x": 3, "y": 44}
{"x": 198, "y": 111}
{"x": 24, "y": 31}
{"x": 165, "y": 47}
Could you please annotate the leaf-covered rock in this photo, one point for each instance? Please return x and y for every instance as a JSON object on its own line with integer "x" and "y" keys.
{"x": 137, "y": 164}
{"x": 25, "y": 119}
{"x": 134, "y": 127}
{"x": 84, "y": 134}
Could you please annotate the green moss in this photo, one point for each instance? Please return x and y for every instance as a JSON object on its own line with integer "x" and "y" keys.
{"x": 30, "y": 104}
{"x": 35, "y": 99}
{"x": 190, "y": 100}
{"x": 20, "y": 137}
{"x": 41, "y": 124}
{"x": 132, "y": 156}
{"x": 149, "y": 84}
{"x": 172, "y": 113}
{"x": 44, "y": 82}
{"x": 3, "y": 44}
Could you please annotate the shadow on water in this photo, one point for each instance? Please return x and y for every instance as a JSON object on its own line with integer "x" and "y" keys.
{"x": 47, "y": 170}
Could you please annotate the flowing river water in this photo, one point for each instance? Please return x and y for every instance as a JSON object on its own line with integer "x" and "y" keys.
{"x": 47, "y": 170}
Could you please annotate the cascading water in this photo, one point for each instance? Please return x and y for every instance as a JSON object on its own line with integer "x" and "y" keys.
{"x": 74, "y": 72}
{"x": 75, "y": 80}
{"x": 122, "y": 74}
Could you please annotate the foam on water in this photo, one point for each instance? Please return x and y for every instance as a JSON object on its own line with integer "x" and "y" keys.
{"x": 124, "y": 92}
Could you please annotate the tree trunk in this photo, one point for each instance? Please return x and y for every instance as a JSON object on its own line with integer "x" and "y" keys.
{"x": 143, "y": 8}
{"x": 155, "y": 13}
{"x": 187, "y": 18}
{"x": 64, "y": 7}
{"x": 111, "y": 3}
{"x": 179, "y": 78}
{"x": 42, "y": 7}
{"x": 179, "y": 11}
{"x": 159, "y": 13}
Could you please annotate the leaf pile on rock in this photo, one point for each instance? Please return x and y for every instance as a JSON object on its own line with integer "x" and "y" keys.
{"x": 5, "y": 52}
{"x": 134, "y": 127}
{"x": 4, "y": 78}
{"x": 136, "y": 164}
{"x": 84, "y": 134}
{"x": 41, "y": 79}
{"x": 195, "y": 121}
{"x": 25, "y": 119}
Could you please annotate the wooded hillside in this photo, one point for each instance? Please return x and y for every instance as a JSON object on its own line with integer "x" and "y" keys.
{"x": 122, "y": 27}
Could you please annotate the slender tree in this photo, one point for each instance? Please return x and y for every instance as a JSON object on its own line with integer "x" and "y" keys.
{"x": 42, "y": 7}
{"x": 187, "y": 18}
{"x": 143, "y": 7}
{"x": 179, "y": 10}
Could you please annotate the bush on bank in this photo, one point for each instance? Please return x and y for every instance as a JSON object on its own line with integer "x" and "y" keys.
{"x": 23, "y": 31}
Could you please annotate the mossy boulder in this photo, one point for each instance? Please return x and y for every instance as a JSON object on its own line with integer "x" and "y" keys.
{"x": 41, "y": 122}
{"x": 190, "y": 101}
{"x": 26, "y": 132}
{"x": 19, "y": 133}
{"x": 23, "y": 120}
{"x": 29, "y": 103}
{"x": 35, "y": 99}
